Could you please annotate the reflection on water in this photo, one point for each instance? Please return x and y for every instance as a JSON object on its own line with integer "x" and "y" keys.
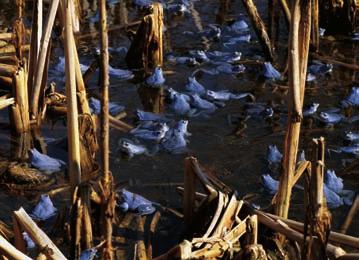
{"x": 152, "y": 99}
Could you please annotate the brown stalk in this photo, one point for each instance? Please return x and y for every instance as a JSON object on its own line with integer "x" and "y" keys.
{"x": 259, "y": 28}
{"x": 45, "y": 40}
{"x": 72, "y": 113}
{"x": 298, "y": 42}
{"x": 107, "y": 192}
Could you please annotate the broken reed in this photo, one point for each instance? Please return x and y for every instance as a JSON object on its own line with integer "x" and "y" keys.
{"x": 298, "y": 57}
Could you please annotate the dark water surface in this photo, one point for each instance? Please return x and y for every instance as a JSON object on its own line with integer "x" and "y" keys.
{"x": 238, "y": 161}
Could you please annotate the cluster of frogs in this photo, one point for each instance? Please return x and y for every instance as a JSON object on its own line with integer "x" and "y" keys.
{"x": 45, "y": 211}
{"x": 334, "y": 191}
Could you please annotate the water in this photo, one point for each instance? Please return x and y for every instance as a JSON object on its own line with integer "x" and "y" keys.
{"x": 237, "y": 161}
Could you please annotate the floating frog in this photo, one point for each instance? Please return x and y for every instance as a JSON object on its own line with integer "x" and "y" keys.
{"x": 45, "y": 163}
{"x": 333, "y": 182}
{"x": 271, "y": 185}
{"x": 239, "y": 26}
{"x": 175, "y": 143}
{"x": 212, "y": 32}
{"x": 182, "y": 60}
{"x": 95, "y": 107}
{"x": 310, "y": 77}
{"x": 238, "y": 39}
{"x": 225, "y": 95}
{"x": 156, "y": 79}
{"x": 145, "y": 134}
{"x": 333, "y": 199}
{"x": 128, "y": 201}
{"x": 44, "y": 209}
{"x": 319, "y": 68}
{"x": 120, "y": 73}
{"x": 29, "y": 242}
{"x": 270, "y": 72}
{"x": 352, "y": 99}
{"x": 352, "y": 136}
{"x": 178, "y": 9}
{"x": 180, "y": 105}
{"x": 88, "y": 254}
{"x": 200, "y": 103}
{"x": 193, "y": 86}
{"x": 273, "y": 154}
{"x": 224, "y": 56}
{"x": 330, "y": 118}
{"x": 310, "y": 110}
{"x": 353, "y": 149}
{"x": 259, "y": 110}
{"x": 149, "y": 116}
{"x": 199, "y": 55}
{"x": 131, "y": 149}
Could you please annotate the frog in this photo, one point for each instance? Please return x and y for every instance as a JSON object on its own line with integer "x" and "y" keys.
{"x": 45, "y": 163}
{"x": 330, "y": 118}
{"x": 193, "y": 86}
{"x": 273, "y": 155}
{"x": 310, "y": 110}
{"x": 156, "y": 79}
{"x": 225, "y": 95}
{"x": 131, "y": 149}
{"x": 270, "y": 72}
{"x": 352, "y": 99}
{"x": 44, "y": 209}
{"x": 128, "y": 201}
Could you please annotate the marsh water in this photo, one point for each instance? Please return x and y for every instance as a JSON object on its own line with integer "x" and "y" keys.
{"x": 238, "y": 160}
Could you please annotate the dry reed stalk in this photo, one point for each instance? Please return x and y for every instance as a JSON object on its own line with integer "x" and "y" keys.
{"x": 75, "y": 11}
{"x": 6, "y": 102}
{"x": 107, "y": 192}
{"x": 87, "y": 236}
{"x": 7, "y": 70}
{"x": 20, "y": 110}
{"x": 334, "y": 237}
{"x": 298, "y": 57}
{"x": 284, "y": 5}
{"x": 18, "y": 237}
{"x": 146, "y": 50}
{"x": 6, "y": 36}
{"x": 318, "y": 219}
{"x": 41, "y": 62}
{"x": 72, "y": 113}
{"x": 10, "y": 60}
{"x": 76, "y": 227}
{"x": 9, "y": 251}
{"x": 259, "y": 28}
{"x": 81, "y": 89}
{"x": 315, "y": 25}
{"x": 333, "y": 61}
{"x": 11, "y": 50}
{"x": 280, "y": 227}
{"x": 252, "y": 230}
{"x": 351, "y": 214}
{"x": 37, "y": 235}
{"x": 105, "y": 81}
{"x": 36, "y": 33}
